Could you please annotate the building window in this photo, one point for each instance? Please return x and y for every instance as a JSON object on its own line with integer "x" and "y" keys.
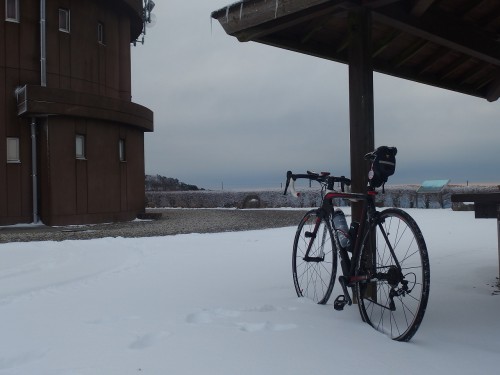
{"x": 100, "y": 33}
{"x": 121, "y": 150}
{"x": 64, "y": 20}
{"x": 12, "y": 10}
{"x": 80, "y": 146}
{"x": 13, "y": 150}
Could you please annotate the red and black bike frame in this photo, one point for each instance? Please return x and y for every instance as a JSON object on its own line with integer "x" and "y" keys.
{"x": 369, "y": 215}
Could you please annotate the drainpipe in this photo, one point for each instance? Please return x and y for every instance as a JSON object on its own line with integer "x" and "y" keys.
{"x": 43, "y": 48}
{"x": 43, "y": 83}
{"x": 34, "y": 170}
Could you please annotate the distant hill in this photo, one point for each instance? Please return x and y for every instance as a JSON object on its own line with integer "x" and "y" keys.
{"x": 162, "y": 183}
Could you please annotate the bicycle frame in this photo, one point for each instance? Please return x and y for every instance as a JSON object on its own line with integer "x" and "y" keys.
{"x": 348, "y": 263}
{"x": 385, "y": 263}
{"x": 325, "y": 211}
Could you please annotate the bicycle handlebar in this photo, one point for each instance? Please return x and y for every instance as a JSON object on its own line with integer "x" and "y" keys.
{"x": 323, "y": 178}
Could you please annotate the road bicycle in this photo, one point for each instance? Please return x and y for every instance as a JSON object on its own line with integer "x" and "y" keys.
{"x": 383, "y": 258}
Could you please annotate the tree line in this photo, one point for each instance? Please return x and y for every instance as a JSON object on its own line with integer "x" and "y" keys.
{"x": 162, "y": 183}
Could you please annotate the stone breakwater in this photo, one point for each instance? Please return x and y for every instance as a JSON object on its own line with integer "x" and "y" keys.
{"x": 404, "y": 196}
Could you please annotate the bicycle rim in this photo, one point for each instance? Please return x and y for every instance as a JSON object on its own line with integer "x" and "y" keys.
{"x": 394, "y": 302}
{"x": 314, "y": 279}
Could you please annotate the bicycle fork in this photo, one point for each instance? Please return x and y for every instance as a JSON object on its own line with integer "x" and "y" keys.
{"x": 312, "y": 237}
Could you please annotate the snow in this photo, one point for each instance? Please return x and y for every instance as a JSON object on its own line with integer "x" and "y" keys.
{"x": 225, "y": 304}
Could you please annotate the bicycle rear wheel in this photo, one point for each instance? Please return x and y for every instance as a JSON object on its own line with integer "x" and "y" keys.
{"x": 394, "y": 257}
{"x": 314, "y": 276}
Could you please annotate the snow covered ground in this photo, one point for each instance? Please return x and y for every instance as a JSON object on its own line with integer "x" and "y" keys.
{"x": 225, "y": 304}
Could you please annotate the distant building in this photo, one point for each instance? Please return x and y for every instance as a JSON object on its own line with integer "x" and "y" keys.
{"x": 71, "y": 140}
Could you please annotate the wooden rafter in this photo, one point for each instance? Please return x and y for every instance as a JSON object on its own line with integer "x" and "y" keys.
{"x": 432, "y": 61}
{"x": 385, "y": 42}
{"x": 440, "y": 29}
{"x": 421, "y": 7}
{"x": 409, "y": 52}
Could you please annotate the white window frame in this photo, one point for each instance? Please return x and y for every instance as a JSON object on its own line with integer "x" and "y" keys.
{"x": 65, "y": 16}
{"x": 13, "y": 150}
{"x": 16, "y": 10}
{"x": 100, "y": 33}
{"x": 80, "y": 147}
{"x": 122, "y": 153}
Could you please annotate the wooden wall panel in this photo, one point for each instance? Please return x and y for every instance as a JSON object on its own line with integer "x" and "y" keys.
{"x": 135, "y": 170}
{"x": 61, "y": 166}
{"x": 103, "y": 167}
{"x": 29, "y": 35}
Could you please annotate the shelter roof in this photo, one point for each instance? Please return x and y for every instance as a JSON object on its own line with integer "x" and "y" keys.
{"x": 452, "y": 44}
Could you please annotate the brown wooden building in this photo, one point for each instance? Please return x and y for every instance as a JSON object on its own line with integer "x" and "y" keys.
{"x": 71, "y": 140}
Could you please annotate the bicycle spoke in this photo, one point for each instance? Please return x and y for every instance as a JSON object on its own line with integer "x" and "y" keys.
{"x": 400, "y": 267}
{"x": 314, "y": 270}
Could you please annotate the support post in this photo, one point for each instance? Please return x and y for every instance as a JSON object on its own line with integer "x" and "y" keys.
{"x": 361, "y": 107}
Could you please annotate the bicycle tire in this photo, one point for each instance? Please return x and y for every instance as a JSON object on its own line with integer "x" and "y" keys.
{"x": 384, "y": 304}
{"x": 314, "y": 279}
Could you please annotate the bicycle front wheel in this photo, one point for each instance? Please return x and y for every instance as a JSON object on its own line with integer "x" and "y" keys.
{"x": 314, "y": 271}
{"x": 395, "y": 262}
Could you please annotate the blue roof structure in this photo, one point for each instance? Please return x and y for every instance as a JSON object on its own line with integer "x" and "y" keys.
{"x": 432, "y": 186}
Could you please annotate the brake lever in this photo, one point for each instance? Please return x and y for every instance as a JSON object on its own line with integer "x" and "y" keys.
{"x": 288, "y": 177}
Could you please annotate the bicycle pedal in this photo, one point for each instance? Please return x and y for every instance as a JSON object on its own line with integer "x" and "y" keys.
{"x": 340, "y": 303}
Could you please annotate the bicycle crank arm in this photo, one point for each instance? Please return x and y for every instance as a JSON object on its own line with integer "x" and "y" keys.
{"x": 344, "y": 283}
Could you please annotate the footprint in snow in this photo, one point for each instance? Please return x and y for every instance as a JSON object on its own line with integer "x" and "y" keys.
{"x": 267, "y": 326}
{"x": 147, "y": 340}
{"x": 208, "y": 316}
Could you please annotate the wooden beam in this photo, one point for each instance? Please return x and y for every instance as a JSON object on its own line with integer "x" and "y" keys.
{"x": 457, "y": 64}
{"x": 469, "y": 8}
{"x": 484, "y": 82}
{"x": 342, "y": 46}
{"x": 493, "y": 92}
{"x": 427, "y": 79}
{"x": 493, "y": 198}
{"x": 475, "y": 73}
{"x": 318, "y": 25}
{"x": 432, "y": 60}
{"x": 378, "y": 3}
{"x": 440, "y": 28}
{"x": 409, "y": 52}
{"x": 385, "y": 42}
{"x": 421, "y": 7}
{"x": 361, "y": 107}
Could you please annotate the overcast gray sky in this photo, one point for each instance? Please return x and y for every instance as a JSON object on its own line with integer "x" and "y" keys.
{"x": 242, "y": 114}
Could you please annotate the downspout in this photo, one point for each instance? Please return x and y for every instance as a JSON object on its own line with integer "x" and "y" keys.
{"x": 34, "y": 171}
{"x": 43, "y": 83}
{"x": 43, "y": 48}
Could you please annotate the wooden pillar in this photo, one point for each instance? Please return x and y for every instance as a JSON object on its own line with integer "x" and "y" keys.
{"x": 361, "y": 107}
